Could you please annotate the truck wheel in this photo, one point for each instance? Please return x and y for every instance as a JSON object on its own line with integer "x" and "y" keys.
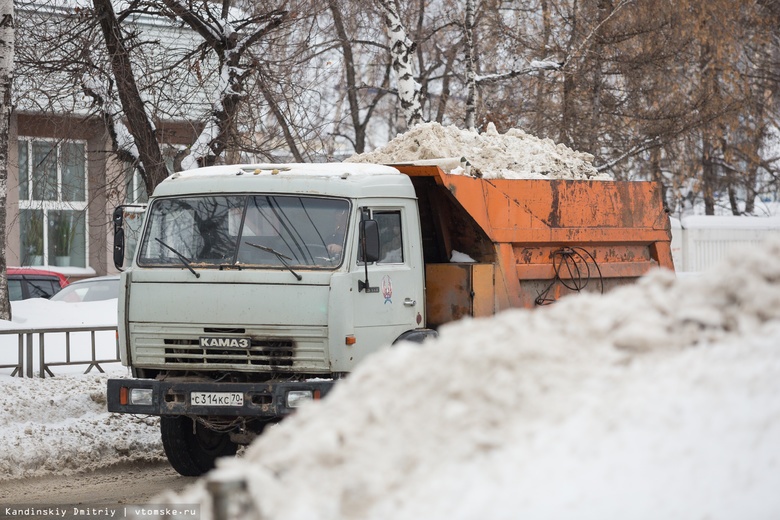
{"x": 193, "y": 452}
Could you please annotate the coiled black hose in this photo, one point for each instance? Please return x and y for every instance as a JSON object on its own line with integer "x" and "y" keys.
{"x": 577, "y": 263}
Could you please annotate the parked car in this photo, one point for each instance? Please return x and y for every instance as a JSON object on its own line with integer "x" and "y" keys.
{"x": 90, "y": 290}
{"x": 26, "y": 282}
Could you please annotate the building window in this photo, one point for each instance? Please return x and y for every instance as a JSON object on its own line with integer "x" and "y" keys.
{"x": 53, "y": 202}
{"x": 135, "y": 189}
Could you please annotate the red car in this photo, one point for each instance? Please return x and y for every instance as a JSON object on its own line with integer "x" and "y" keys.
{"x": 26, "y": 282}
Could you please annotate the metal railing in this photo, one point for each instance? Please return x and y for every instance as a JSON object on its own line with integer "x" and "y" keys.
{"x": 26, "y": 361}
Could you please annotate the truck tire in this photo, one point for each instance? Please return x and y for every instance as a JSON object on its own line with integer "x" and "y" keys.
{"x": 192, "y": 451}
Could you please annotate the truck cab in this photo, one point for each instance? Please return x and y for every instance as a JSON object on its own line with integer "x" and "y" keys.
{"x": 254, "y": 287}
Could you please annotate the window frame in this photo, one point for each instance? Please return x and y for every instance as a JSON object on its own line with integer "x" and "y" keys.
{"x": 144, "y": 259}
{"x": 394, "y": 210}
{"x": 47, "y": 206}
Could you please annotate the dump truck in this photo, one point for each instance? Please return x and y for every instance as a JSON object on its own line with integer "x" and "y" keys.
{"x": 256, "y": 288}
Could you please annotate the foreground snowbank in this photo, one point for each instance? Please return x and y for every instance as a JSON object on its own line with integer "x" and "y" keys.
{"x": 658, "y": 400}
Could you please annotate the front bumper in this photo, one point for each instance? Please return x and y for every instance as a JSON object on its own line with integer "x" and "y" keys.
{"x": 261, "y": 400}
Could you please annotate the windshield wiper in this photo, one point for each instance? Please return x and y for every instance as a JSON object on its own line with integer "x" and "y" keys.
{"x": 183, "y": 258}
{"x": 278, "y": 255}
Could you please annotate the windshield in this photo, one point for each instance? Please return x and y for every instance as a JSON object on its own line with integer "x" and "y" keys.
{"x": 89, "y": 291}
{"x": 257, "y": 230}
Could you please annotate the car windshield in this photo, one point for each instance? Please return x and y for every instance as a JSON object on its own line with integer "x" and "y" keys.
{"x": 258, "y": 230}
{"x": 89, "y": 291}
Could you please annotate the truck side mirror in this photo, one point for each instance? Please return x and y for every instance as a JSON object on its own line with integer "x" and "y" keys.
{"x": 369, "y": 241}
{"x": 119, "y": 237}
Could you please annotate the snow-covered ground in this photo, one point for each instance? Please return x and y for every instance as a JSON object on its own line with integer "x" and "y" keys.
{"x": 40, "y": 314}
{"x": 60, "y": 425}
{"x": 658, "y": 400}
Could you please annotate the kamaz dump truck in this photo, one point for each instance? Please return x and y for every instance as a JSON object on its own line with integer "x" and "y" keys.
{"x": 255, "y": 288}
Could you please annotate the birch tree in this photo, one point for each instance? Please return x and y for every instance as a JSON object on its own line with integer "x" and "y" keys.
{"x": 471, "y": 73}
{"x": 6, "y": 76}
{"x": 402, "y": 52}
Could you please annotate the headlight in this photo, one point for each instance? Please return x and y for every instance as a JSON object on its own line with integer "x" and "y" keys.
{"x": 141, "y": 396}
{"x": 296, "y": 398}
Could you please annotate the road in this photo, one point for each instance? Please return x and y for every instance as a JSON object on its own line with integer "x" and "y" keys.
{"x": 122, "y": 484}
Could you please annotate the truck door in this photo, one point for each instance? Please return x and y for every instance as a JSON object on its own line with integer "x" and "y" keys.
{"x": 394, "y": 302}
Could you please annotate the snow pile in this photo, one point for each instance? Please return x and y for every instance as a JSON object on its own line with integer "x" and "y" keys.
{"x": 60, "y": 426}
{"x": 42, "y": 313}
{"x": 657, "y": 400}
{"x": 513, "y": 155}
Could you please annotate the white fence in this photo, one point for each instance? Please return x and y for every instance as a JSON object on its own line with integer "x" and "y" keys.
{"x": 38, "y": 352}
{"x": 699, "y": 242}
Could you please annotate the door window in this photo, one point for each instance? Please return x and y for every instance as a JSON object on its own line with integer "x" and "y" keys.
{"x": 391, "y": 249}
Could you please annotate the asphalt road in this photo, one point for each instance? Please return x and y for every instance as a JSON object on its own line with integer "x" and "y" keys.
{"x": 119, "y": 485}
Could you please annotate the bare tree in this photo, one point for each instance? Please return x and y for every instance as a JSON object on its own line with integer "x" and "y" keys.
{"x": 360, "y": 108}
{"x": 230, "y": 42}
{"x": 139, "y": 124}
{"x": 402, "y": 51}
{"x": 7, "y": 38}
{"x": 681, "y": 92}
{"x": 224, "y": 37}
{"x": 471, "y": 74}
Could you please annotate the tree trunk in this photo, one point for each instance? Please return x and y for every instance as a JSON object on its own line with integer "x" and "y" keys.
{"x": 402, "y": 53}
{"x": 471, "y": 74}
{"x": 6, "y": 76}
{"x": 733, "y": 202}
{"x": 657, "y": 175}
{"x": 350, "y": 76}
{"x": 708, "y": 178}
{"x": 445, "y": 85}
{"x": 154, "y": 170}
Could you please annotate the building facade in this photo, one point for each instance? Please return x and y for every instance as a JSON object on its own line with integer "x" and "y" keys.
{"x": 63, "y": 180}
{"x": 63, "y": 185}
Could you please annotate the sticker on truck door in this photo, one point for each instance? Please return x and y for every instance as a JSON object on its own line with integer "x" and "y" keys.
{"x": 387, "y": 289}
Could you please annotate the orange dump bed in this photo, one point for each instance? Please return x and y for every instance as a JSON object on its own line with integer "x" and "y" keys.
{"x": 543, "y": 238}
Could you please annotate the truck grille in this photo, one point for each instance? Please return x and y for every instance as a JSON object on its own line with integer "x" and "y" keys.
{"x": 271, "y": 353}
{"x": 177, "y": 346}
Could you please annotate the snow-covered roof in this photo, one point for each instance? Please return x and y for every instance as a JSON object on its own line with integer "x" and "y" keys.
{"x": 332, "y": 179}
{"x": 291, "y": 169}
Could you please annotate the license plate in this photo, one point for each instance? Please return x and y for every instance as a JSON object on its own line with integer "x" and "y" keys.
{"x": 217, "y": 399}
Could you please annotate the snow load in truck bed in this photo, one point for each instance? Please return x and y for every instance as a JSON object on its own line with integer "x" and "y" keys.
{"x": 512, "y": 155}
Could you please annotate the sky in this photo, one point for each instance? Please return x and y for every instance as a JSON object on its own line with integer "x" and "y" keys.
{"x": 655, "y": 400}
